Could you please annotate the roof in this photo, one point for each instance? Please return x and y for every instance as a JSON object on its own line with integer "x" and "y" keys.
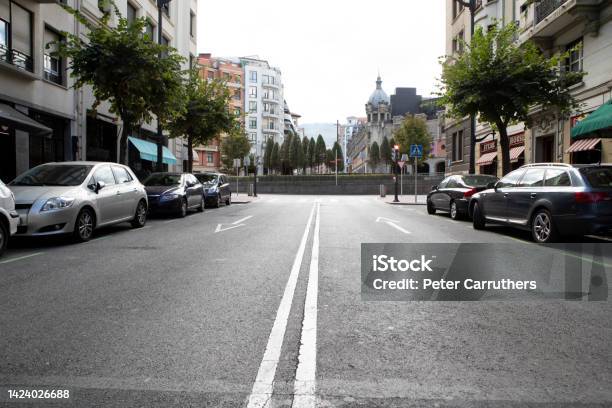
{"x": 379, "y": 95}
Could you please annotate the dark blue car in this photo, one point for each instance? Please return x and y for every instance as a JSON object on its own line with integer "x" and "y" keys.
{"x": 551, "y": 200}
{"x": 216, "y": 189}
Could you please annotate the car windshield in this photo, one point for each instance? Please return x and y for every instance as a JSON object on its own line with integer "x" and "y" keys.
{"x": 478, "y": 180}
{"x": 160, "y": 179}
{"x": 207, "y": 178}
{"x": 53, "y": 175}
{"x": 598, "y": 177}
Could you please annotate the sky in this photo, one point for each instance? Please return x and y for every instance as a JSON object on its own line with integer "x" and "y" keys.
{"x": 330, "y": 51}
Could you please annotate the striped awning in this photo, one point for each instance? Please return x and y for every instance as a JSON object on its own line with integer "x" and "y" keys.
{"x": 486, "y": 159}
{"x": 583, "y": 145}
{"x": 515, "y": 153}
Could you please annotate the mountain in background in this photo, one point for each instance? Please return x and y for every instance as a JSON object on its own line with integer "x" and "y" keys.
{"x": 327, "y": 130}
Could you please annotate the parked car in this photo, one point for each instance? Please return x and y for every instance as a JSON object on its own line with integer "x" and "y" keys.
{"x": 76, "y": 198}
{"x": 174, "y": 193}
{"x": 551, "y": 200}
{"x": 216, "y": 188}
{"x": 9, "y": 218}
{"x": 453, "y": 194}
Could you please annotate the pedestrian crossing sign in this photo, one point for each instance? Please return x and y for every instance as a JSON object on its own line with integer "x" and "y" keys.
{"x": 416, "y": 150}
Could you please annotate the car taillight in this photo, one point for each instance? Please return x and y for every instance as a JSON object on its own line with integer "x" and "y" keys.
{"x": 470, "y": 193}
{"x": 582, "y": 197}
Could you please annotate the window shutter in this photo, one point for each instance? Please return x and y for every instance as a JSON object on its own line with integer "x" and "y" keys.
{"x": 21, "y": 28}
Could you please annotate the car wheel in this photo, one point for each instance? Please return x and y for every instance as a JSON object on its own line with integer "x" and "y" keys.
{"x": 4, "y": 236}
{"x": 542, "y": 227}
{"x": 84, "y": 226}
{"x": 454, "y": 213}
{"x": 201, "y": 207}
{"x": 478, "y": 220}
{"x": 430, "y": 208}
{"x": 217, "y": 201}
{"x": 228, "y": 200}
{"x": 140, "y": 218}
{"x": 183, "y": 210}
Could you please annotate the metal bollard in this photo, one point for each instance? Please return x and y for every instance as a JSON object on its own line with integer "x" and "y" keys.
{"x": 383, "y": 190}
{"x": 250, "y": 190}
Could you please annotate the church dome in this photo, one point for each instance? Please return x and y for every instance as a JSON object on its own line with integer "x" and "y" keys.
{"x": 378, "y": 96}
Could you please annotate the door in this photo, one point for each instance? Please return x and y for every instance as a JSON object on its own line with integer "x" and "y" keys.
{"x": 495, "y": 202}
{"x": 224, "y": 188}
{"x": 128, "y": 192}
{"x": 109, "y": 198}
{"x": 191, "y": 190}
{"x": 437, "y": 194}
{"x": 445, "y": 195}
{"x": 521, "y": 198}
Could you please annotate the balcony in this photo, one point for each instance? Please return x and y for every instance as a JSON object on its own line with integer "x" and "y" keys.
{"x": 271, "y": 114}
{"x": 271, "y": 99}
{"x": 266, "y": 84}
{"x": 16, "y": 59}
{"x": 271, "y": 130}
{"x": 553, "y": 16}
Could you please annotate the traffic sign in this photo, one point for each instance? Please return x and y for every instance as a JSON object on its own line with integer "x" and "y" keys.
{"x": 401, "y": 163}
{"x": 416, "y": 150}
{"x": 404, "y": 157}
{"x": 247, "y": 161}
{"x": 236, "y": 163}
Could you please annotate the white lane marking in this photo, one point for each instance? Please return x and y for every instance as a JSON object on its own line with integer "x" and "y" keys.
{"x": 242, "y": 220}
{"x": 392, "y": 223}
{"x": 261, "y": 393}
{"x": 233, "y": 225}
{"x": 19, "y": 258}
{"x": 305, "y": 374}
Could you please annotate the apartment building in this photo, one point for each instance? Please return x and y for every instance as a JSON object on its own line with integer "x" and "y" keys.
{"x": 229, "y": 70}
{"x": 42, "y": 118}
{"x": 556, "y": 26}
{"x": 264, "y": 104}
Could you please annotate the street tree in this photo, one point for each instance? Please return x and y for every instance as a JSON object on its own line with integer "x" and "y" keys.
{"x": 305, "y": 156}
{"x": 235, "y": 145}
{"x": 329, "y": 160}
{"x": 320, "y": 152}
{"x": 500, "y": 80}
{"x": 312, "y": 153}
{"x": 337, "y": 151}
{"x": 385, "y": 152}
{"x": 374, "y": 155}
{"x": 205, "y": 116}
{"x": 268, "y": 155}
{"x": 413, "y": 130}
{"x": 275, "y": 161}
{"x": 123, "y": 67}
{"x": 294, "y": 152}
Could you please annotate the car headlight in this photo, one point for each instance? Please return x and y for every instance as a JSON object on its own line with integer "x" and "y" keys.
{"x": 213, "y": 189}
{"x": 169, "y": 197}
{"x": 56, "y": 203}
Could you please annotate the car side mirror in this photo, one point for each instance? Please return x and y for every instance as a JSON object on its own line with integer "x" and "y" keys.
{"x": 435, "y": 187}
{"x": 99, "y": 186}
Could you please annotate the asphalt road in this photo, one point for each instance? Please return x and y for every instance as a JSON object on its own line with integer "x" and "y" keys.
{"x": 259, "y": 305}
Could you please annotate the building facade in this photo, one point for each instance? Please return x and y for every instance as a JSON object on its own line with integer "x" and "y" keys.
{"x": 42, "y": 118}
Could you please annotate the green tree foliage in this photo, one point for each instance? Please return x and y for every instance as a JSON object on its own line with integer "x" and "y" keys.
{"x": 312, "y": 152}
{"x": 413, "y": 130}
{"x": 320, "y": 152}
{"x": 329, "y": 160}
{"x": 385, "y": 152}
{"x": 123, "y": 68}
{"x": 336, "y": 149}
{"x": 305, "y": 155}
{"x": 285, "y": 154}
{"x": 267, "y": 159}
{"x": 375, "y": 154}
{"x": 205, "y": 115}
{"x": 236, "y": 145}
{"x": 500, "y": 80}
{"x": 275, "y": 159}
{"x": 295, "y": 152}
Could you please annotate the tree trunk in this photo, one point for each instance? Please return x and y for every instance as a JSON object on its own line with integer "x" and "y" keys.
{"x": 189, "y": 154}
{"x": 504, "y": 142}
{"x": 123, "y": 139}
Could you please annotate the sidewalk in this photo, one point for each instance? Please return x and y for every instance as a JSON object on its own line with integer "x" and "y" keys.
{"x": 242, "y": 198}
{"x": 406, "y": 199}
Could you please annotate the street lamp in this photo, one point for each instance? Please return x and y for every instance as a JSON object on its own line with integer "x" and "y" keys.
{"x": 395, "y": 160}
{"x": 160, "y": 135}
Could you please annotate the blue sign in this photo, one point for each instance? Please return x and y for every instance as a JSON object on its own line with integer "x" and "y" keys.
{"x": 416, "y": 150}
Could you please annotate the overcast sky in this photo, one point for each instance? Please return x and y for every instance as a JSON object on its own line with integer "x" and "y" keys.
{"x": 330, "y": 51}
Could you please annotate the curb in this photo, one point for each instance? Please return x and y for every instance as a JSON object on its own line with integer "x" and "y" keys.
{"x": 400, "y": 203}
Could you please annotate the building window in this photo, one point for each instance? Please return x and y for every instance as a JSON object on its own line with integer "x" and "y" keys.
{"x": 210, "y": 75}
{"x": 574, "y": 62}
{"x": 252, "y": 137}
{"x": 210, "y": 158}
{"x": 192, "y": 23}
{"x": 166, "y": 9}
{"x": 253, "y": 123}
{"x": 253, "y": 91}
{"x": 238, "y": 79}
{"x": 253, "y": 76}
{"x": 16, "y": 35}
{"x": 150, "y": 31}
{"x": 166, "y": 43}
{"x": 227, "y": 76}
{"x": 238, "y": 112}
{"x": 252, "y": 106}
{"x": 457, "y": 154}
{"x": 457, "y": 8}
{"x": 131, "y": 13}
{"x": 52, "y": 64}
{"x": 237, "y": 94}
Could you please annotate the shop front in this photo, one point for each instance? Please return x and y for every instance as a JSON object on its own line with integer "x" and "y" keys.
{"x": 591, "y": 135}
{"x": 517, "y": 151}
{"x": 487, "y": 162}
{"x": 142, "y": 157}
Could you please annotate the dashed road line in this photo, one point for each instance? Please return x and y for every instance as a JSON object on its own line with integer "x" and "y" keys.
{"x": 19, "y": 258}
{"x": 261, "y": 394}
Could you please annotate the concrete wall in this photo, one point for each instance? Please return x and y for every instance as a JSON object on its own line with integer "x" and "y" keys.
{"x": 347, "y": 185}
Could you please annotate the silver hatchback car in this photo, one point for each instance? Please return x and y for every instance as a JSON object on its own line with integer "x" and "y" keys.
{"x": 76, "y": 198}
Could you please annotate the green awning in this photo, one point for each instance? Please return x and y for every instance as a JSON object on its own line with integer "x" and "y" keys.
{"x": 598, "y": 120}
{"x": 148, "y": 151}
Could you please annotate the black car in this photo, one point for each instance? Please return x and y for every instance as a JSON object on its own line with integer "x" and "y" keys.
{"x": 551, "y": 200}
{"x": 174, "y": 193}
{"x": 454, "y": 192}
{"x": 216, "y": 188}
